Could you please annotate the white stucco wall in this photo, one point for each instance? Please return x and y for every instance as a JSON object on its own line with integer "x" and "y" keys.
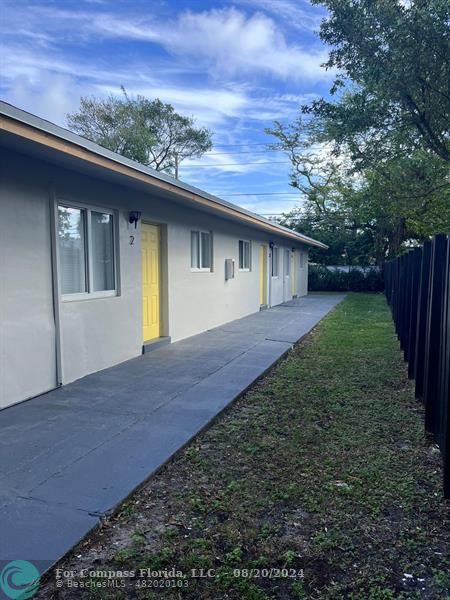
{"x": 100, "y": 332}
{"x": 27, "y": 329}
{"x": 302, "y": 282}
{"x": 202, "y": 300}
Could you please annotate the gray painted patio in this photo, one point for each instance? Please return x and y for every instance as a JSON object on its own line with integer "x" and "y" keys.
{"x": 73, "y": 454}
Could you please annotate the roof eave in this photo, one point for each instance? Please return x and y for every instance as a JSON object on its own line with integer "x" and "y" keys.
{"x": 52, "y": 136}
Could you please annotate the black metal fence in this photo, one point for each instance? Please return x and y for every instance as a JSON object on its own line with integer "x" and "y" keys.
{"x": 417, "y": 288}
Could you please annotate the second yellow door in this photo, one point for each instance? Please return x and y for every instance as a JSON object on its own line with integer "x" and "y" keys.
{"x": 150, "y": 281}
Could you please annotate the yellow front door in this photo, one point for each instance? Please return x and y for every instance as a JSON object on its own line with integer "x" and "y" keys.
{"x": 150, "y": 281}
{"x": 262, "y": 275}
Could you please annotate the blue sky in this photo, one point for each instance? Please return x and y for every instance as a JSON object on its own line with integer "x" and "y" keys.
{"x": 234, "y": 65}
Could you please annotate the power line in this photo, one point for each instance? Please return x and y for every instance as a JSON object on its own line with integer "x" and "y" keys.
{"x": 245, "y": 152}
{"x": 267, "y": 162}
{"x": 263, "y": 194}
{"x": 244, "y": 144}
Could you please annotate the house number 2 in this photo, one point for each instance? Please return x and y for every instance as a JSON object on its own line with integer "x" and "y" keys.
{"x": 131, "y": 240}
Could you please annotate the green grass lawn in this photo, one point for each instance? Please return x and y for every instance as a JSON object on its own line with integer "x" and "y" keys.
{"x": 322, "y": 467}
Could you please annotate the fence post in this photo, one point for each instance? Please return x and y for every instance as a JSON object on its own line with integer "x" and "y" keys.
{"x": 397, "y": 292}
{"x": 387, "y": 281}
{"x": 444, "y": 387}
{"x": 418, "y": 291}
{"x": 413, "y": 321}
{"x": 422, "y": 312}
{"x": 409, "y": 282}
{"x": 434, "y": 333}
{"x": 401, "y": 297}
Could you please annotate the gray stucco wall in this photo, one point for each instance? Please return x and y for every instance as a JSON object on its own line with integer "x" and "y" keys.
{"x": 100, "y": 332}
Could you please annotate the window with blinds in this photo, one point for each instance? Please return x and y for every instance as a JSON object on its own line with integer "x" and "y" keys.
{"x": 244, "y": 255}
{"x": 72, "y": 244}
{"x": 86, "y": 251}
{"x": 201, "y": 251}
{"x": 102, "y": 251}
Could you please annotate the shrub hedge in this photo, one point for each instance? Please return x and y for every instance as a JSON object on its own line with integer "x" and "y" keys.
{"x": 322, "y": 279}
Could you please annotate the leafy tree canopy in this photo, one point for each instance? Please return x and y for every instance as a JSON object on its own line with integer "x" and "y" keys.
{"x": 393, "y": 82}
{"x": 144, "y": 130}
{"x": 373, "y": 164}
{"x": 369, "y": 215}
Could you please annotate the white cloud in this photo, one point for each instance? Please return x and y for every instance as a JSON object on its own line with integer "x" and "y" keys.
{"x": 298, "y": 14}
{"x": 208, "y": 105}
{"x": 233, "y": 70}
{"x": 225, "y": 164}
{"x": 273, "y": 206}
{"x": 253, "y": 163}
{"x": 51, "y": 97}
{"x": 268, "y": 107}
{"x": 212, "y": 106}
{"x": 232, "y": 43}
{"x": 21, "y": 55}
{"x": 32, "y": 78}
{"x": 226, "y": 41}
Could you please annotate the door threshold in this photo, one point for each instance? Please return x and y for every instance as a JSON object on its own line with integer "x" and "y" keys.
{"x": 155, "y": 343}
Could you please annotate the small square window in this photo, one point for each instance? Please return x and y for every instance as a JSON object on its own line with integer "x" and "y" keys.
{"x": 201, "y": 251}
{"x": 245, "y": 252}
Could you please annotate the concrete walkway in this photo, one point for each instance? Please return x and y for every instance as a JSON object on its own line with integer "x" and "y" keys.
{"x": 70, "y": 456}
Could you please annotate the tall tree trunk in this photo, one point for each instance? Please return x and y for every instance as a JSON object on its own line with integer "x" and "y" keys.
{"x": 397, "y": 237}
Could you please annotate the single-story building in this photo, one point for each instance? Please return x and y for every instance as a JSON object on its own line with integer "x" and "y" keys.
{"x": 100, "y": 256}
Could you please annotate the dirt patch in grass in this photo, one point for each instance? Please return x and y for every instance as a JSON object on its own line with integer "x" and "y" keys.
{"x": 320, "y": 470}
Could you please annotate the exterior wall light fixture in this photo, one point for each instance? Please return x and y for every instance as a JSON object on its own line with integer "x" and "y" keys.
{"x": 134, "y": 217}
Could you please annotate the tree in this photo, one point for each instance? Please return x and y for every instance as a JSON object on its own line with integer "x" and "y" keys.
{"x": 315, "y": 172}
{"x": 147, "y": 131}
{"x": 373, "y": 163}
{"x": 348, "y": 244}
{"x": 367, "y": 216}
{"x": 393, "y": 83}
{"x": 329, "y": 212}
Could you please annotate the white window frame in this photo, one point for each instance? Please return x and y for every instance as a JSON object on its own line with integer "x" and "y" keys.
{"x": 89, "y": 294}
{"x": 272, "y": 262}
{"x": 243, "y": 268}
{"x": 202, "y": 269}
